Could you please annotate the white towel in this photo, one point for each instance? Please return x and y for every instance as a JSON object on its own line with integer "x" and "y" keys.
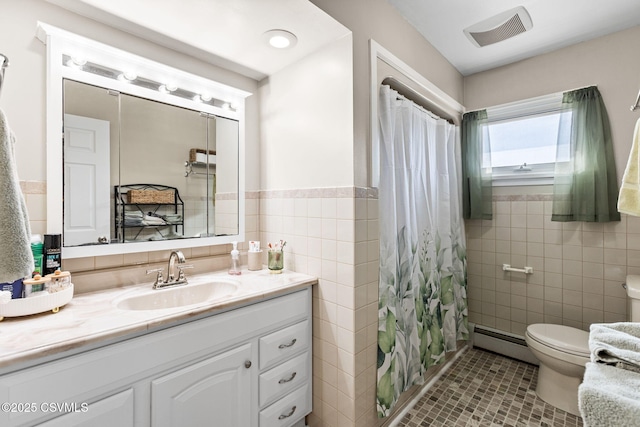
{"x": 5, "y": 297}
{"x": 616, "y": 344}
{"x": 153, "y": 220}
{"x": 15, "y": 233}
{"x": 629, "y": 196}
{"x": 609, "y": 397}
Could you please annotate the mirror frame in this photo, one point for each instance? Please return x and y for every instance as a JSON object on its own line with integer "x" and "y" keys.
{"x": 59, "y": 43}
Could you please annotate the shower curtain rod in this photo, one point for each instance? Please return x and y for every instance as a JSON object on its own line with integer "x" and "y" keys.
{"x": 397, "y": 84}
{"x": 429, "y": 113}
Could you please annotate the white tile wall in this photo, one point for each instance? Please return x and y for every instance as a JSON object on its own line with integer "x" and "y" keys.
{"x": 332, "y": 233}
{"x": 578, "y": 267}
{"x": 35, "y": 196}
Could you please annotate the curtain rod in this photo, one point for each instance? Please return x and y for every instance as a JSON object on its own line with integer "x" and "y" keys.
{"x": 540, "y": 96}
{"x": 400, "y": 96}
{"x": 425, "y": 102}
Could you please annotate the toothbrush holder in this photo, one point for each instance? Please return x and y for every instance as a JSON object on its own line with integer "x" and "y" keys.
{"x": 255, "y": 260}
{"x": 275, "y": 260}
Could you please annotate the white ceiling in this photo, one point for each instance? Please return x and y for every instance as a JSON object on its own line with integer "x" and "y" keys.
{"x": 556, "y": 24}
{"x": 228, "y": 33}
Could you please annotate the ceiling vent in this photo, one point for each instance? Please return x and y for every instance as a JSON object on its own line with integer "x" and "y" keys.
{"x": 500, "y": 27}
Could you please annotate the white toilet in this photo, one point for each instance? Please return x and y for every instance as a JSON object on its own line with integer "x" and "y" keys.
{"x": 563, "y": 352}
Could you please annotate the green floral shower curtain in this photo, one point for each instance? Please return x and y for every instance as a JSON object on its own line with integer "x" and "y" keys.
{"x": 422, "y": 308}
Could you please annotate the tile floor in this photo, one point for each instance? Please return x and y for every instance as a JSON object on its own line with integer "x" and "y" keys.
{"x": 485, "y": 389}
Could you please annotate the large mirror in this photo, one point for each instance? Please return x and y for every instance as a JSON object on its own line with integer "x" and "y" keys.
{"x": 139, "y": 170}
{"x": 150, "y": 160}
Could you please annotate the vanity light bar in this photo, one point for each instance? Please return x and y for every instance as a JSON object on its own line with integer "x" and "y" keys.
{"x": 132, "y": 78}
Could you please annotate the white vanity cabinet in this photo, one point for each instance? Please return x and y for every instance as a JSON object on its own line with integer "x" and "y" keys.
{"x": 218, "y": 388}
{"x": 116, "y": 410}
{"x": 247, "y": 367}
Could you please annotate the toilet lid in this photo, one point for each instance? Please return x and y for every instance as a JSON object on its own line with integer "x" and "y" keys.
{"x": 560, "y": 337}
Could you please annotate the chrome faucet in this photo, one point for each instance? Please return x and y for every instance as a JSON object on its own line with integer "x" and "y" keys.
{"x": 171, "y": 271}
{"x": 172, "y": 280}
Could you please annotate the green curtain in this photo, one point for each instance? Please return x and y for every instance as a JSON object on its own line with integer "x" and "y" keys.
{"x": 585, "y": 187}
{"x": 476, "y": 180}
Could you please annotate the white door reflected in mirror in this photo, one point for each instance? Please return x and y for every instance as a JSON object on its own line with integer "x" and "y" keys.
{"x": 86, "y": 176}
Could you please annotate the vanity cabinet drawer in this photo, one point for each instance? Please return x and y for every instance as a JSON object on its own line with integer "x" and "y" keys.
{"x": 282, "y": 344}
{"x": 280, "y": 380}
{"x": 288, "y": 410}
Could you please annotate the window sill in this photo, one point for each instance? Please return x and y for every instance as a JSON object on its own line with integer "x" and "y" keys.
{"x": 519, "y": 180}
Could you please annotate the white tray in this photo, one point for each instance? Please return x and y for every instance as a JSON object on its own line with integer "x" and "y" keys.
{"x": 33, "y": 305}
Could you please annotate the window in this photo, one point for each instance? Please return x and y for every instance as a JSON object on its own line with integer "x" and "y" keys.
{"x": 523, "y": 138}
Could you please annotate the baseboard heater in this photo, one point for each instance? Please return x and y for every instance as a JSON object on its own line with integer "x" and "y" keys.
{"x": 502, "y": 342}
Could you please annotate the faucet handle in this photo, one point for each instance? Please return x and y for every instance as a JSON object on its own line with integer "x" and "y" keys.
{"x": 181, "y": 273}
{"x": 159, "y": 277}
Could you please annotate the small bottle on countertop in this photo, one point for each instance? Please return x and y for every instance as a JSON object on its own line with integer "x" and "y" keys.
{"x": 37, "y": 249}
{"x": 235, "y": 261}
{"x": 52, "y": 253}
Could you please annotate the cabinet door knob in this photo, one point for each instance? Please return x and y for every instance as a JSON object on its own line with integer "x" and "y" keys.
{"x": 282, "y": 381}
{"x": 247, "y": 364}
{"x": 283, "y": 416}
{"x": 293, "y": 341}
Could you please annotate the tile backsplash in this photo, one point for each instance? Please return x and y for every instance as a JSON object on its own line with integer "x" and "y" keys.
{"x": 578, "y": 267}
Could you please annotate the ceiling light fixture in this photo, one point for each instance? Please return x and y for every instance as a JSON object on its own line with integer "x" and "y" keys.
{"x": 280, "y": 39}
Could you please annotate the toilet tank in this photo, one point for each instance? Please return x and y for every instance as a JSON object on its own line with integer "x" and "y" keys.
{"x": 633, "y": 295}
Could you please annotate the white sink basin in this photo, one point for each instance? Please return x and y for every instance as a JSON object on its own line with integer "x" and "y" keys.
{"x": 178, "y": 296}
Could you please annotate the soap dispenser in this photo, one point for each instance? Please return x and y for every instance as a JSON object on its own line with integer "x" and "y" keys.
{"x": 235, "y": 261}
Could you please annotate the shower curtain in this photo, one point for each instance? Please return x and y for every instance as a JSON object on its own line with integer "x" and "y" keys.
{"x": 422, "y": 308}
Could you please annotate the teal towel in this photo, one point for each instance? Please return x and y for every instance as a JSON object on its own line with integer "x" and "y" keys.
{"x": 15, "y": 233}
{"x": 609, "y": 397}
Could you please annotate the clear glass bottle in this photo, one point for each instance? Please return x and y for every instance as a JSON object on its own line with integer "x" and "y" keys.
{"x": 235, "y": 261}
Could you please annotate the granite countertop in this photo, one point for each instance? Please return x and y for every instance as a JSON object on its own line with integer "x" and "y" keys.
{"x": 91, "y": 319}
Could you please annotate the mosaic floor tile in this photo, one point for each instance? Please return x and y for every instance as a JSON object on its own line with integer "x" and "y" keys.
{"x": 486, "y": 389}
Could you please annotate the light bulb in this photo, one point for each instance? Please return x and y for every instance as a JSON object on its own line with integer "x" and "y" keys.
{"x": 167, "y": 88}
{"x": 280, "y": 39}
{"x": 127, "y": 76}
{"x": 279, "y": 42}
{"x": 76, "y": 62}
